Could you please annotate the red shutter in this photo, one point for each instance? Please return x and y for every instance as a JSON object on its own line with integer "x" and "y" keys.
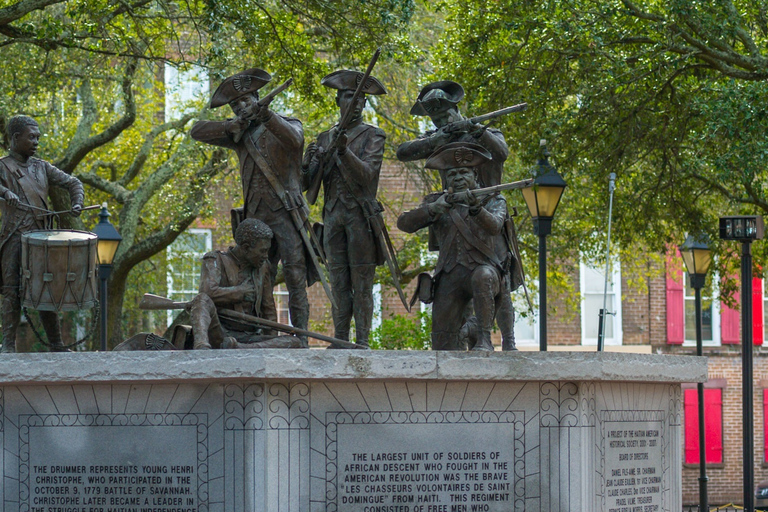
{"x": 757, "y": 311}
{"x": 729, "y": 322}
{"x": 713, "y": 426}
{"x": 692, "y": 427}
{"x": 675, "y": 298}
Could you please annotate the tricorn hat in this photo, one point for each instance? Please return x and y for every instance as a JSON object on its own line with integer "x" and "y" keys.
{"x": 437, "y": 97}
{"x": 348, "y": 80}
{"x": 240, "y": 84}
{"x": 458, "y": 154}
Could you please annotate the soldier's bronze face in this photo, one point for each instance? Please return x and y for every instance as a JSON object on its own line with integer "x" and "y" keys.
{"x": 256, "y": 254}
{"x": 445, "y": 117}
{"x": 241, "y": 105}
{"x": 461, "y": 178}
{"x": 344, "y": 100}
{"x": 25, "y": 142}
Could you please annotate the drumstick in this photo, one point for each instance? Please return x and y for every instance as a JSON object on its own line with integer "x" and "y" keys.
{"x": 49, "y": 212}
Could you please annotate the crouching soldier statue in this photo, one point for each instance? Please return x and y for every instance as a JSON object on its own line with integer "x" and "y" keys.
{"x": 238, "y": 280}
{"x": 466, "y": 230}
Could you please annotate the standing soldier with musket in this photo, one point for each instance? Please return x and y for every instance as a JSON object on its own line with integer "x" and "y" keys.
{"x": 439, "y": 101}
{"x": 269, "y": 147}
{"x": 346, "y": 160}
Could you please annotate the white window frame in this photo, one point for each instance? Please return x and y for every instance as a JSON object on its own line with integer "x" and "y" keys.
{"x": 716, "y": 338}
{"x": 518, "y": 300}
{"x": 618, "y": 331}
{"x": 170, "y": 254}
{"x": 182, "y": 87}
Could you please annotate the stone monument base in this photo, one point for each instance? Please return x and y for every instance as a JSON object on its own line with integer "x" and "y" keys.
{"x": 310, "y": 430}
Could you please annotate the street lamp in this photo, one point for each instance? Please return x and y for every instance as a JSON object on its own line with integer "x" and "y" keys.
{"x": 542, "y": 199}
{"x": 746, "y": 229}
{"x": 697, "y": 258}
{"x": 108, "y": 241}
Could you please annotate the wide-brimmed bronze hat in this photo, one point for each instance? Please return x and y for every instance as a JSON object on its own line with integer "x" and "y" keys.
{"x": 437, "y": 97}
{"x": 348, "y": 80}
{"x": 240, "y": 84}
{"x": 458, "y": 154}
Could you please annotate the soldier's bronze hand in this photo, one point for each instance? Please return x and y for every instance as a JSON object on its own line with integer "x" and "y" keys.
{"x": 341, "y": 143}
{"x": 11, "y": 198}
{"x": 263, "y": 114}
{"x": 473, "y": 202}
{"x": 236, "y": 125}
{"x": 309, "y": 154}
{"x": 77, "y": 210}
{"x": 439, "y": 207}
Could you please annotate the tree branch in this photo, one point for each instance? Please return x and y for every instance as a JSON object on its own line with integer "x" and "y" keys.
{"x": 22, "y": 8}
{"x": 146, "y": 148}
{"x": 121, "y": 194}
{"x": 79, "y": 148}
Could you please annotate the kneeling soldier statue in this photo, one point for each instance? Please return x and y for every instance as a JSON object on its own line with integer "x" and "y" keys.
{"x": 466, "y": 231}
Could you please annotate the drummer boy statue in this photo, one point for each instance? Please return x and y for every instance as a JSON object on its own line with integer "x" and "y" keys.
{"x": 24, "y": 181}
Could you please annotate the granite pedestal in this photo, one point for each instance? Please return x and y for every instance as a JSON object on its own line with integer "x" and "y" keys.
{"x": 313, "y": 430}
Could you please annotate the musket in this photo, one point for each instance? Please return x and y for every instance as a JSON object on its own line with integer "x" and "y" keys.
{"x": 155, "y": 302}
{"x": 379, "y": 228}
{"x": 314, "y": 188}
{"x": 482, "y": 193}
{"x": 265, "y": 101}
{"x": 485, "y": 117}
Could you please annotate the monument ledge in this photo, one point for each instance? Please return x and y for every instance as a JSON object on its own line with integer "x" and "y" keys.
{"x": 282, "y": 364}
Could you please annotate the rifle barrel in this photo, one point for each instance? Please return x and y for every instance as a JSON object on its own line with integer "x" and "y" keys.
{"x": 498, "y": 113}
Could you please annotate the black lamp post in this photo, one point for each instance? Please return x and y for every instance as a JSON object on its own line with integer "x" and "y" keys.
{"x": 697, "y": 258}
{"x": 108, "y": 241}
{"x": 746, "y": 229}
{"x": 542, "y": 199}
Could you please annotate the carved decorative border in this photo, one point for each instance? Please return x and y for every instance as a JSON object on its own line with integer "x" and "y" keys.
{"x": 559, "y": 404}
{"x": 334, "y": 418}
{"x": 289, "y": 406}
{"x": 27, "y": 421}
{"x": 243, "y": 407}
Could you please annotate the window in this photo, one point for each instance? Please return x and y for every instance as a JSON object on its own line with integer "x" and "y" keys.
{"x": 280, "y": 293}
{"x": 183, "y": 257}
{"x": 713, "y": 425}
{"x": 681, "y": 312}
{"x": 710, "y": 314}
{"x": 592, "y": 283}
{"x": 183, "y": 86}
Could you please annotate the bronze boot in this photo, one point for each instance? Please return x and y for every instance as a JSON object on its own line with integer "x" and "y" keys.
{"x": 11, "y": 318}
{"x": 50, "y": 321}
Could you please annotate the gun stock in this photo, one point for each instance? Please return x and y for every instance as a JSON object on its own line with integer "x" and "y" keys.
{"x": 155, "y": 302}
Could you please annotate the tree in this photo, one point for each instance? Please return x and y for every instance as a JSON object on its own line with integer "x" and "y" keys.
{"x": 91, "y": 73}
{"x": 669, "y": 95}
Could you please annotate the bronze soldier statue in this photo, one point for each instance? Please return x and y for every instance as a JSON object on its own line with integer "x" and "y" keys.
{"x": 269, "y": 147}
{"x": 350, "y": 182}
{"x": 24, "y": 180}
{"x": 237, "y": 279}
{"x": 466, "y": 233}
{"x": 439, "y": 101}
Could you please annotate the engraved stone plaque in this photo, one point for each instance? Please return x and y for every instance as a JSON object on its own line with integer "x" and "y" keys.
{"x": 633, "y": 475}
{"x": 410, "y": 462}
{"x": 121, "y": 462}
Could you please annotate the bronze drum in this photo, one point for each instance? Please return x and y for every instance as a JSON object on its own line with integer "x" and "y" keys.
{"x": 58, "y": 270}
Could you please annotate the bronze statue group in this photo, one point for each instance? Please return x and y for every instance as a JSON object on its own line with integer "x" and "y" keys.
{"x": 476, "y": 270}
